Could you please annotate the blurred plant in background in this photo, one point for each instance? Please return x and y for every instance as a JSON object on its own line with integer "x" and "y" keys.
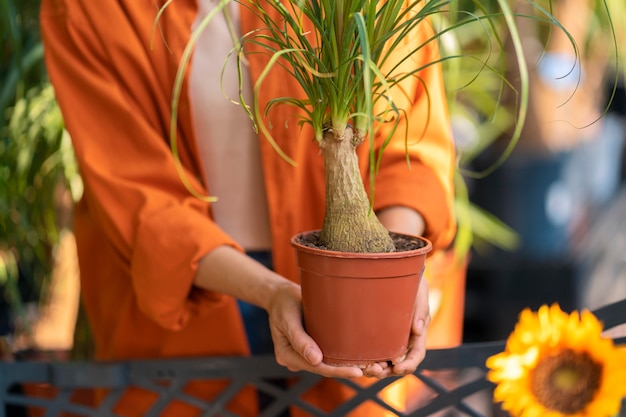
{"x": 472, "y": 47}
{"x": 606, "y": 23}
{"x": 483, "y": 83}
{"x": 37, "y": 168}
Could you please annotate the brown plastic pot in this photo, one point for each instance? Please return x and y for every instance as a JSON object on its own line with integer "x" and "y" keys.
{"x": 359, "y": 307}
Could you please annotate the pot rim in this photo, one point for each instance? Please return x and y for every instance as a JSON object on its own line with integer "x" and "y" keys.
{"x": 380, "y": 255}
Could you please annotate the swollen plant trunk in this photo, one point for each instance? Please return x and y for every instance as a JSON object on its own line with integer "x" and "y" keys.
{"x": 349, "y": 224}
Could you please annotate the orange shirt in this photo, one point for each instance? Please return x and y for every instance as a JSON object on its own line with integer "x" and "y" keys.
{"x": 139, "y": 231}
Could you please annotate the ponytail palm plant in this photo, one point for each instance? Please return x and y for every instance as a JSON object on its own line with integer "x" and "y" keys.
{"x": 344, "y": 55}
{"x": 345, "y": 69}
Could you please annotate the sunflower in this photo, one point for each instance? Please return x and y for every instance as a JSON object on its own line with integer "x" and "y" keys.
{"x": 557, "y": 364}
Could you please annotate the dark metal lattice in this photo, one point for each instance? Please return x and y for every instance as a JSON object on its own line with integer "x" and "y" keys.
{"x": 464, "y": 366}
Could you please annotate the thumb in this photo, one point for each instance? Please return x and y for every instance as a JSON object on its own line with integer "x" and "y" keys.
{"x": 306, "y": 347}
{"x": 312, "y": 354}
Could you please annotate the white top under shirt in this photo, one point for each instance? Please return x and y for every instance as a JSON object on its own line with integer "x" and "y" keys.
{"x": 229, "y": 147}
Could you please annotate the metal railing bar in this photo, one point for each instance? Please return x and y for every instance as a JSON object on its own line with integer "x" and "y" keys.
{"x": 440, "y": 391}
{"x": 15, "y": 372}
{"x": 221, "y": 412}
{"x": 283, "y": 398}
{"x": 364, "y": 394}
{"x": 190, "y": 400}
{"x": 211, "y": 368}
{"x": 277, "y": 407}
{"x": 154, "y": 386}
{"x": 459, "y": 357}
{"x": 381, "y": 383}
{"x": 85, "y": 374}
{"x": 166, "y": 394}
{"x": 466, "y": 390}
{"x": 442, "y": 402}
{"x": 446, "y": 397}
{"x": 226, "y": 413}
{"x": 12, "y": 399}
{"x": 293, "y": 397}
{"x": 612, "y": 315}
{"x": 432, "y": 383}
{"x": 268, "y": 387}
{"x": 60, "y": 403}
{"x": 299, "y": 389}
{"x": 104, "y": 374}
{"x": 219, "y": 403}
{"x": 105, "y": 408}
{"x": 309, "y": 408}
{"x": 78, "y": 409}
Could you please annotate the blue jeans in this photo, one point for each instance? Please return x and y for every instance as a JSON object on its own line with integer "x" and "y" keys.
{"x": 256, "y": 322}
{"x": 255, "y": 319}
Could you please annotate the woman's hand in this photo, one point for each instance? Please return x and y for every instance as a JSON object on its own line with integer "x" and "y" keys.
{"x": 293, "y": 347}
{"x": 229, "y": 271}
{"x": 297, "y": 351}
{"x": 406, "y": 220}
{"x": 408, "y": 363}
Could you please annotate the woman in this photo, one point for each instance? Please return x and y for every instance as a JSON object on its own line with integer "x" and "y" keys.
{"x": 161, "y": 269}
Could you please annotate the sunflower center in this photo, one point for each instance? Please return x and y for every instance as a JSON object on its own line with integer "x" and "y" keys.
{"x": 566, "y": 381}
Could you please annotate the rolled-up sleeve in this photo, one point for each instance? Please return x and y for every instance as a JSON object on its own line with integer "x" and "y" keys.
{"x": 115, "y": 105}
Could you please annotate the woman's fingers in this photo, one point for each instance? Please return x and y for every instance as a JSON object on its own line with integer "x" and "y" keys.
{"x": 293, "y": 347}
{"x": 297, "y": 351}
{"x": 417, "y": 341}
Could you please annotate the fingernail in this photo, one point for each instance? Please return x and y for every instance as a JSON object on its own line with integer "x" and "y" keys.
{"x": 421, "y": 324}
{"x": 309, "y": 355}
